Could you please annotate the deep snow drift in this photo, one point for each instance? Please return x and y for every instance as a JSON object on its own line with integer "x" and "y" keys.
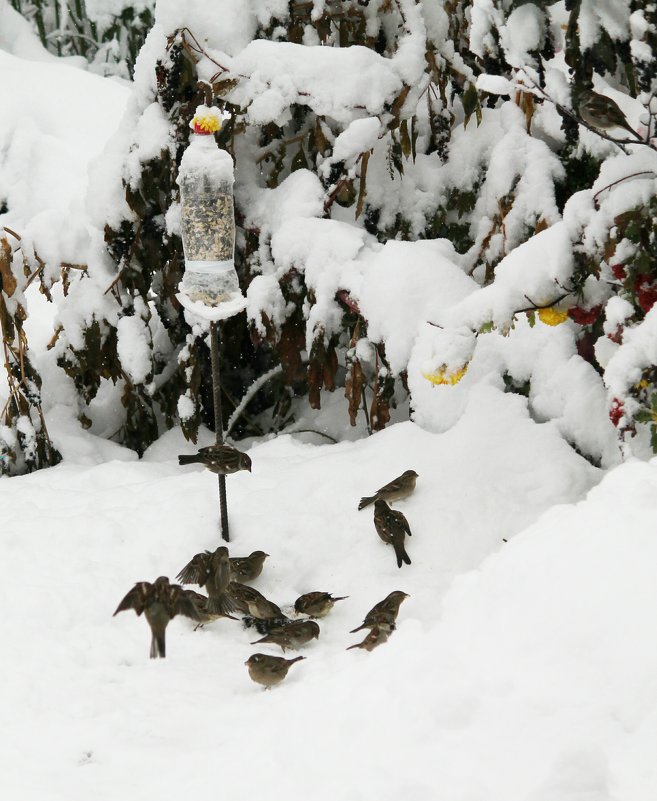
{"x": 520, "y": 670}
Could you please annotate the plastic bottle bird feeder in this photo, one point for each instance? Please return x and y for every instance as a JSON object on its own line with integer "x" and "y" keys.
{"x": 209, "y": 288}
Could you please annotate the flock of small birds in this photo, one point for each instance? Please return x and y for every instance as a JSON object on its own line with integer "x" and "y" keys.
{"x": 227, "y": 580}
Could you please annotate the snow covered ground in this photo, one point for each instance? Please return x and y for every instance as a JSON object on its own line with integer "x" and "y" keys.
{"x": 520, "y": 670}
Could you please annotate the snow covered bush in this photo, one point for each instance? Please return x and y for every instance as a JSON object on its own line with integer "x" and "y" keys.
{"x": 107, "y": 33}
{"x": 420, "y": 209}
{"x": 24, "y": 441}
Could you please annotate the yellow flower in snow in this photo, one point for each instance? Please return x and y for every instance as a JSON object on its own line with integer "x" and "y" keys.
{"x": 552, "y": 316}
{"x": 441, "y": 376}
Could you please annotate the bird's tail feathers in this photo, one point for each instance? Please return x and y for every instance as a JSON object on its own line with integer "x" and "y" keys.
{"x": 366, "y": 501}
{"x": 221, "y": 605}
{"x": 184, "y": 459}
{"x": 402, "y": 556}
{"x": 158, "y": 647}
{"x": 296, "y": 659}
{"x": 360, "y": 628}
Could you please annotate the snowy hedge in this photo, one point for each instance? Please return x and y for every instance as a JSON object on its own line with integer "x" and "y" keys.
{"x": 420, "y": 210}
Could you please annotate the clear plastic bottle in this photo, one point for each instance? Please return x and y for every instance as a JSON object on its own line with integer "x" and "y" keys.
{"x": 208, "y": 217}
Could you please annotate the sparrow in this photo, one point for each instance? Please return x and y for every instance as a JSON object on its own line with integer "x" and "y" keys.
{"x": 384, "y": 614}
{"x": 375, "y": 637}
{"x": 212, "y": 571}
{"x": 316, "y": 604}
{"x": 247, "y": 568}
{"x": 251, "y": 602}
{"x": 392, "y": 527}
{"x": 222, "y": 459}
{"x": 160, "y": 602}
{"x": 269, "y": 670}
{"x": 291, "y": 635}
{"x": 600, "y": 111}
{"x": 396, "y": 490}
{"x": 201, "y": 603}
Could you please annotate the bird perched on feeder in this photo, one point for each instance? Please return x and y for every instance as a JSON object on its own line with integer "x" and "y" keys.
{"x": 601, "y": 112}
{"x": 269, "y": 670}
{"x": 375, "y": 637}
{"x": 392, "y": 527}
{"x": 291, "y": 635}
{"x": 395, "y": 490}
{"x": 212, "y": 571}
{"x": 160, "y": 602}
{"x": 247, "y": 568}
{"x": 316, "y": 604}
{"x": 222, "y": 459}
{"x": 384, "y": 614}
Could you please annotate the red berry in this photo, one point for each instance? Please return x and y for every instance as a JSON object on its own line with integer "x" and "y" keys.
{"x": 619, "y": 271}
{"x": 617, "y": 335}
{"x": 584, "y": 316}
{"x": 616, "y": 411}
{"x": 646, "y": 292}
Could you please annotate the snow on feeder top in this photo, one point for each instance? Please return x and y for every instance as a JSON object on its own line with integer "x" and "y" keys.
{"x": 209, "y": 288}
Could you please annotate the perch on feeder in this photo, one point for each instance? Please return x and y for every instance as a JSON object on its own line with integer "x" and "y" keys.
{"x": 209, "y": 289}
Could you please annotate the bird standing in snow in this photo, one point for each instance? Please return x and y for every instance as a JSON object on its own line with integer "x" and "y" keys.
{"x": 201, "y": 603}
{"x": 601, "y": 112}
{"x": 396, "y": 490}
{"x": 392, "y": 527}
{"x": 316, "y": 604}
{"x": 212, "y": 571}
{"x": 384, "y": 614}
{"x": 269, "y": 670}
{"x": 251, "y": 602}
{"x": 160, "y": 602}
{"x": 221, "y": 459}
{"x": 247, "y": 568}
{"x": 291, "y": 635}
{"x": 375, "y": 637}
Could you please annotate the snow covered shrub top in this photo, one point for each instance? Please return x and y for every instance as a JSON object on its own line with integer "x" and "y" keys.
{"x": 420, "y": 209}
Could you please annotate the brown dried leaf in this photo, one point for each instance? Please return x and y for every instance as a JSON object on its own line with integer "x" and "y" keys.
{"x": 314, "y": 384}
{"x": 405, "y": 138}
{"x": 224, "y": 87}
{"x": 330, "y": 369}
{"x": 8, "y": 281}
{"x": 292, "y": 341}
{"x": 379, "y": 412}
{"x": 527, "y": 105}
{"x": 398, "y": 104}
{"x": 541, "y": 225}
{"x": 353, "y": 390}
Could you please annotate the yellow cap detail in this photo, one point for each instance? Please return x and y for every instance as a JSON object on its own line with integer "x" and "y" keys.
{"x": 441, "y": 376}
{"x": 207, "y": 123}
{"x": 552, "y": 316}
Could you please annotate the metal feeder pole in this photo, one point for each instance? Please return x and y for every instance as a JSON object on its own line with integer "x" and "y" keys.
{"x": 215, "y": 333}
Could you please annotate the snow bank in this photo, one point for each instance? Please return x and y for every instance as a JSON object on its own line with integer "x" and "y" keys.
{"x": 83, "y": 701}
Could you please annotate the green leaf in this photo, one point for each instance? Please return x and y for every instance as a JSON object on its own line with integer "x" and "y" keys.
{"x": 299, "y": 162}
{"x": 470, "y": 101}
